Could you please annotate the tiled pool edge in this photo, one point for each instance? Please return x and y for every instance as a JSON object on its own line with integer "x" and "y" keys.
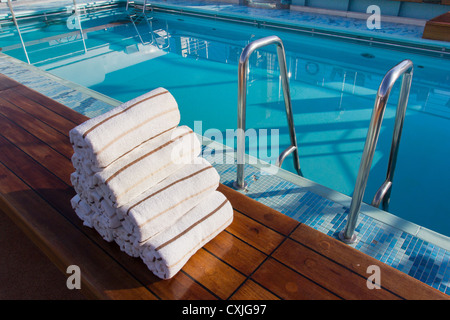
{"x": 318, "y": 207}
{"x": 275, "y": 18}
{"x": 68, "y": 93}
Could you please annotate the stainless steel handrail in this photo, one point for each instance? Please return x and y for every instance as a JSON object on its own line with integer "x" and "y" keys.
{"x": 405, "y": 69}
{"x": 284, "y": 154}
{"x": 242, "y": 97}
{"x": 78, "y": 21}
{"x": 77, "y": 17}
{"x": 166, "y": 44}
{"x": 18, "y": 30}
{"x": 134, "y": 17}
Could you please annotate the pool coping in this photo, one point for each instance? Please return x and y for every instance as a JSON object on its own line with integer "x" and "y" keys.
{"x": 62, "y": 8}
{"x": 210, "y": 9}
{"x": 438, "y": 47}
{"x": 69, "y": 84}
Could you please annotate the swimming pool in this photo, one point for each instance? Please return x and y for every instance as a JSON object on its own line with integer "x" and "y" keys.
{"x": 333, "y": 86}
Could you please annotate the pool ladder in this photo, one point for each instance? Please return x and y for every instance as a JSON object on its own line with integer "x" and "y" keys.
{"x": 138, "y": 15}
{"x": 76, "y": 18}
{"x": 404, "y": 69}
{"x": 242, "y": 97}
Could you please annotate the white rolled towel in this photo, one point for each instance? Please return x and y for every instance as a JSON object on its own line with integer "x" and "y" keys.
{"x": 101, "y": 223}
{"x": 83, "y": 210}
{"x": 107, "y": 137}
{"x": 147, "y": 165}
{"x": 167, "y": 252}
{"x": 91, "y": 195}
{"x": 76, "y": 182}
{"x": 159, "y": 207}
{"x": 126, "y": 242}
{"x": 82, "y": 165}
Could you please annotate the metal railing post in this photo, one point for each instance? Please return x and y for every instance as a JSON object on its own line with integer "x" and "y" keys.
{"x": 242, "y": 97}
{"x": 404, "y": 68}
{"x": 383, "y": 193}
{"x": 18, "y": 30}
{"x": 77, "y": 17}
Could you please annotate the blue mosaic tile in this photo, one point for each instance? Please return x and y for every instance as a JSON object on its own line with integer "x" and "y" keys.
{"x": 37, "y": 81}
{"x": 306, "y": 19}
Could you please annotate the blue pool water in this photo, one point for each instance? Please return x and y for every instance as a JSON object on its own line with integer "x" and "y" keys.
{"x": 333, "y": 87}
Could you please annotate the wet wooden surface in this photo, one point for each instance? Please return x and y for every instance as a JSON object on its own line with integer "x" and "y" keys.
{"x": 263, "y": 254}
{"x": 438, "y": 28}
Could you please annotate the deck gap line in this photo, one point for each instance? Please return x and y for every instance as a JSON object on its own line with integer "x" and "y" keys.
{"x": 246, "y": 277}
{"x": 37, "y": 102}
{"x": 44, "y": 142}
{"x": 270, "y": 256}
{"x": 342, "y": 265}
{"x": 201, "y": 284}
{"x": 268, "y": 227}
{"x": 48, "y": 124}
{"x": 36, "y": 161}
{"x": 237, "y": 237}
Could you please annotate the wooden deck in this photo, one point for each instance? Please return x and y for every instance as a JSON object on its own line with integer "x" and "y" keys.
{"x": 263, "y": 254}
{"x": 438, "y": 28}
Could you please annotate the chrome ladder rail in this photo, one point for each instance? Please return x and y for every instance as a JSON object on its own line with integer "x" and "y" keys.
{"x": 13, "y": 15}
{"x": 165, "y": 37}
{"x": 138, "y": 17}
{"x": 77, "y": 17}
{"x": 404, "y": 69}
{"x": 242, "y": 96}
{"x": 77, "y": 21}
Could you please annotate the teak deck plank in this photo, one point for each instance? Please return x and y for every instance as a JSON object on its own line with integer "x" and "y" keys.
{"x": 438, "y": 28}
{"x": 344, "y": 255}
{"x": 64, "y": 244}
{"x": 67, "y": 113}
{"x": 326, "y": 272}
{"x": 35, "y": 148}
{"x": 40, "y": 130}
{"x": 235, "y": 252}
{"x": 214, "y": 274}
{"x": 255, "y": 233}
{"x": 263, "y": 254}
{"x": 6, "y": 83}
{"x": 39, "y": 111}
{"x": 290, "y": 285}
{"x": 251, "y": 290}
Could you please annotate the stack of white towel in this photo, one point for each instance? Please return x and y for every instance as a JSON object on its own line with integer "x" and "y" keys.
{"x": 140, "y": 182}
